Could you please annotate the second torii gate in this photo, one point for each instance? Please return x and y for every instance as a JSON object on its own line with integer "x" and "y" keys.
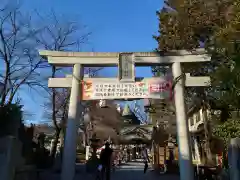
{"x": 126, "y": 63}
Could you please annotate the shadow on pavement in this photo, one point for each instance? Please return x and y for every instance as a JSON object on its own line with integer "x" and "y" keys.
{"x": 129, "y": 171}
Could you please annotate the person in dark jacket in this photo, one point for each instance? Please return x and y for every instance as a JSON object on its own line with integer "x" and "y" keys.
{"x": 106, "y": 161}
{"x": 145, "y": 159}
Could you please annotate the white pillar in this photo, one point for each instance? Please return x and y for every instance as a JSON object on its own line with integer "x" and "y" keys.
{"x": 51, "y": 145}
{"x": 87, "y": 152}
{"x": 197, "y": 153}
{"x": 185, "y": 155}
{"x": 69, "y": 152}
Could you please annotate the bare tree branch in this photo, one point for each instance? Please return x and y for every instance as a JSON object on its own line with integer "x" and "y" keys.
{"x": 59, "y": 35}
{"x": 17, "y": 52}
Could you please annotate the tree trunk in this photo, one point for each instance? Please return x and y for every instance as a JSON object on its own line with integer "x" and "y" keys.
{"x": 55, "y": 143}
{"x": 62, "y": 141}
{"x": 54, "y": 118}
{"x": 225, "y": 158}
{"x": 62, "y": 138}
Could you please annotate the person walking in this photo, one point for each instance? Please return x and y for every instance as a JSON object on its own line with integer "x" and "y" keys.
{"x": 145, "y": 159}
{"x": 106, "y": 161}
{"x": 128, "y": 154}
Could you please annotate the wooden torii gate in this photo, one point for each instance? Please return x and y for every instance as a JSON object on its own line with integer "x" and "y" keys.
{"x": 126, "y": 63}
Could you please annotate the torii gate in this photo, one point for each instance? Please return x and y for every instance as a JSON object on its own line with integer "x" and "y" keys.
{"x": 126, "y": 64}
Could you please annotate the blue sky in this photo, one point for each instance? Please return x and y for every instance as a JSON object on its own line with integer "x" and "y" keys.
{"x": 116, "y": 25}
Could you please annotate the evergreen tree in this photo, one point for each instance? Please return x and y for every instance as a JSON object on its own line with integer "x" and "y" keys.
{"x": 184, "y": 24}
{"x": 187, "y": 24}
{"x": 215, "y": 25}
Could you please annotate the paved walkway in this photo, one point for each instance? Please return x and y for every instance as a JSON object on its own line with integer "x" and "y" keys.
{"x": 129, "y": 171}
{"x": 134, "y": 171}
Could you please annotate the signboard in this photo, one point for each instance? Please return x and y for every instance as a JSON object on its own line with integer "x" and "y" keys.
{"x": 155, "y": 89}
{"x": 126, "y": 68}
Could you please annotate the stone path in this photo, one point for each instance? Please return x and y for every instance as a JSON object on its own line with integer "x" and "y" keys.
{"x": 129, "y": 171}
{"x": 134, "y": 171}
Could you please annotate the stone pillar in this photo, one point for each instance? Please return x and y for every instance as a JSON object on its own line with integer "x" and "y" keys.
{"x": 234, "y": 159}
{"x": 69, "y": 152}
{"x": 185, "y": 155}
{"x": 10, "y": 157}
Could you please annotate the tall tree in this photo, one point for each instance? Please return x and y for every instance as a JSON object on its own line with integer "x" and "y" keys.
{"x": 18, "y": 56}
{"x": 60, "y": 34}
{"x": 226, "y": 77}
{"x": 104, "y": 121}
{"x": 183, "y": 24}
{"x": 191, "y": 24}
{"x": 213, "y": 25}
{"x": 60, "y": 114}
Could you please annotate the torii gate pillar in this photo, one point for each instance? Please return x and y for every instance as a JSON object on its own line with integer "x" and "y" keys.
{"x": 185, "y": 158}
{"x": 69, "y": 157}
